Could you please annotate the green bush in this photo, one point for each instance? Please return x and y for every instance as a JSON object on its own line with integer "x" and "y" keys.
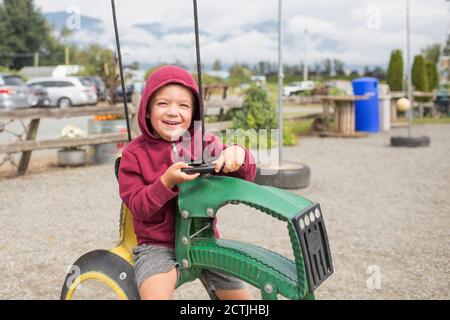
{"x": 420, "y": 77}
{"x": 290, "y": 138}
{"x": 395, "y": 71}
{"x": 419, "y": 74}
{"x": 433, "y": 75}
{"x": 258, "y": 113}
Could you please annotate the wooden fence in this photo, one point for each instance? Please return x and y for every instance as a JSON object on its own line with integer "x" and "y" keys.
{"x": 29, "y": 143}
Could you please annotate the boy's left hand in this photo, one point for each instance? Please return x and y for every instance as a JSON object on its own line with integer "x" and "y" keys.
{"x": 233, "y": 157}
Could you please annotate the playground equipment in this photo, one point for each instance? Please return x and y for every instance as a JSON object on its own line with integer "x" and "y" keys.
{"x": 197, "y": 249}
{"x": 409, "y": 141}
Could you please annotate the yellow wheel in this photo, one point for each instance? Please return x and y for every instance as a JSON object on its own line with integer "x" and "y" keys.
{"x": 106, "y": 267}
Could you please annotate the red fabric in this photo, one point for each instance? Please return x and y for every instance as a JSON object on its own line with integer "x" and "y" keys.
{"x": 146, "y": 158}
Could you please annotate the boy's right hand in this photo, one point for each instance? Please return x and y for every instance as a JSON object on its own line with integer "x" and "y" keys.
{"x": 174, "y": 176}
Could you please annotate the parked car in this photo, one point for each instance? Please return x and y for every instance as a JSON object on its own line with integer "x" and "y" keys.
{"x": 40, "y": 95}
{"x": 297, "y": 87}
{"x": 442, "y": 101}
{"x": 129, "y": 89}
{"x": 14, "y": 93}
{"x": 67, "y": 92}
{"x": 99, "y": 86}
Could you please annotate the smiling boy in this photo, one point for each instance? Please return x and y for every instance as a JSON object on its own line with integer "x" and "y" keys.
{"x": 150, "y": 171}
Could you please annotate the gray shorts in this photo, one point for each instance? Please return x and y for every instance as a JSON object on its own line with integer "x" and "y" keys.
{"x": 151, "y": 260}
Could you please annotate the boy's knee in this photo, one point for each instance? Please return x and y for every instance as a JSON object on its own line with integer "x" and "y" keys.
{"x": 159, "y": 287}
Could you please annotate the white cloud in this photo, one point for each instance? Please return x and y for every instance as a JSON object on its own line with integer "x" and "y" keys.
{"x": 338, "y": 29}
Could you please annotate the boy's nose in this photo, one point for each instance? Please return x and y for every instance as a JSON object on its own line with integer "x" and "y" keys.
{"x": 172, "y": 110}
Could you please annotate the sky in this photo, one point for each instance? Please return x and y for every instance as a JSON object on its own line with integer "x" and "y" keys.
{"x": 357, "y": 32}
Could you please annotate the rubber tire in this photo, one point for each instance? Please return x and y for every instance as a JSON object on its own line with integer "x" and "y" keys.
{"x": 107, "y": 263}
{"x": 410, "y": 142}
{"x": 62, "y": 99}
{"x": 286, "y": 178}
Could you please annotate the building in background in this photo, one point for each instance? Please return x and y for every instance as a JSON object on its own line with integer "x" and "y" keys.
{"x": 50, "y": 71}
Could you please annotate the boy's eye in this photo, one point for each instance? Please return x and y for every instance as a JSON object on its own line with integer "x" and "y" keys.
{"x": 161, "y": 104}
{"x": 185, "y": 106}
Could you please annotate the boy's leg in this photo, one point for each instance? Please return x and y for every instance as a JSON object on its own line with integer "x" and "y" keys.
{"x": 156, "y": 272}
{"x": 241, "y": 294}
{"x": 159, "y": 287}
{"x": 223, "y": 286}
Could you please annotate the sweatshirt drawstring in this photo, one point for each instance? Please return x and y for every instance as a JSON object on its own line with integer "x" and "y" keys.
{"x": 175, "y": 150}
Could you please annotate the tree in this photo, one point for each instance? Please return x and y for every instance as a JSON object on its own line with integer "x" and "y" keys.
{"x": 433, "y": 75}
{"x": 432, "y": 52}
{"x": 24, "y": 31}
{"x": 339, "y": 67}
{"x": 353, "y": 75}
{"x": 240, "y": 74}
{"x": 419, "y": 74}
{"x": 102, "y": 62}
{"x": 327, "y": 65}
{"x": 395, "y": 71}
{"x": 446, "y": 50}
{"x": 217, "y": 66}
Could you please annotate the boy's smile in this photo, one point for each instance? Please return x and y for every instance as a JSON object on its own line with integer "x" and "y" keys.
{"x": 171, "y": 110}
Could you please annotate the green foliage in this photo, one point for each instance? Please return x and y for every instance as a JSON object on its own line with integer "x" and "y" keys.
{"x": 217, "y": 66}
{"x": 256, "y": 111}
{"x": 395, "y": 71}
{"x": 23, "y": 31}
{"x": 432, "y": 52}
{"x": 419, "y": 74}
{"x": 433, "y": 75}
{"x": 446, "y": 50}
{"x": 290, "y": 138}
{"x": 96, "y": 60}
{"x": 239, "y": 74}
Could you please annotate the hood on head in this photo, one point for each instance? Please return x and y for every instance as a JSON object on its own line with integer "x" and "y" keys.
{"x": 160, "y": 77}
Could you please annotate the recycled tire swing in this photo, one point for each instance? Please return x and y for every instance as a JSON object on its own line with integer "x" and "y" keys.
{"x": 412, "y": 142}
{"x": 197, "y": 249}
{"x": 291, "y": 175}
{"x": 407, "y": 104}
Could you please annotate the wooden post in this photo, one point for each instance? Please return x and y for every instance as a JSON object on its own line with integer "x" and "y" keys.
{"x": 31, "y": 135}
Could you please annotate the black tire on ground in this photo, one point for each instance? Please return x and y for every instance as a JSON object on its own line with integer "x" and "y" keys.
{"x": 64, "y": 103}
{"x": 410, "y": 142}
{"x": 290, "y": 176}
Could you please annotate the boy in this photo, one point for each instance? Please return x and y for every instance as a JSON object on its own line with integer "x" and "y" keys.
{"x": 150, "y": 171}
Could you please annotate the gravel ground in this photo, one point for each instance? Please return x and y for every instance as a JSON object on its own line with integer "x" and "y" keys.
{"x": 385, "y": 209}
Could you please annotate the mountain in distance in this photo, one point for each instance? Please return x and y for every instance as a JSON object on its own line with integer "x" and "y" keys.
{"x": 59, "y": 20}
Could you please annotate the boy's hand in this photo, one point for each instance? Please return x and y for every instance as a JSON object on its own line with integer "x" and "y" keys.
{"x": 233, "y": 158}
{"x": 174, "y": 176}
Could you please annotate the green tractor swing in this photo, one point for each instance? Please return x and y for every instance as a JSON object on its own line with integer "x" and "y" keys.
{"x": 197, "y": 249}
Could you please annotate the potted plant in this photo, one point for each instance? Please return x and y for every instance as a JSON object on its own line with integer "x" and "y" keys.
{"x": 72, "y": 156}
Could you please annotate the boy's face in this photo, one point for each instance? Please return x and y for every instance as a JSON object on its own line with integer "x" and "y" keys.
{"x": 171, "y": 110}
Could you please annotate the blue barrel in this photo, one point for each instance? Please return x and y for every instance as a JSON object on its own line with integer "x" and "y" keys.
{"x": 367, "y": 112}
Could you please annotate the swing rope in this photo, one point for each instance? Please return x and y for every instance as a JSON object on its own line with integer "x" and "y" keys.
{"x": 199, "y": 73}
{"x": 199, "y": 69}
{"x": 122, "y": 79}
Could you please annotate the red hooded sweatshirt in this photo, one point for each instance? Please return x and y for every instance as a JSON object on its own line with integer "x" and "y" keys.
{"x": 146, "y": 158}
